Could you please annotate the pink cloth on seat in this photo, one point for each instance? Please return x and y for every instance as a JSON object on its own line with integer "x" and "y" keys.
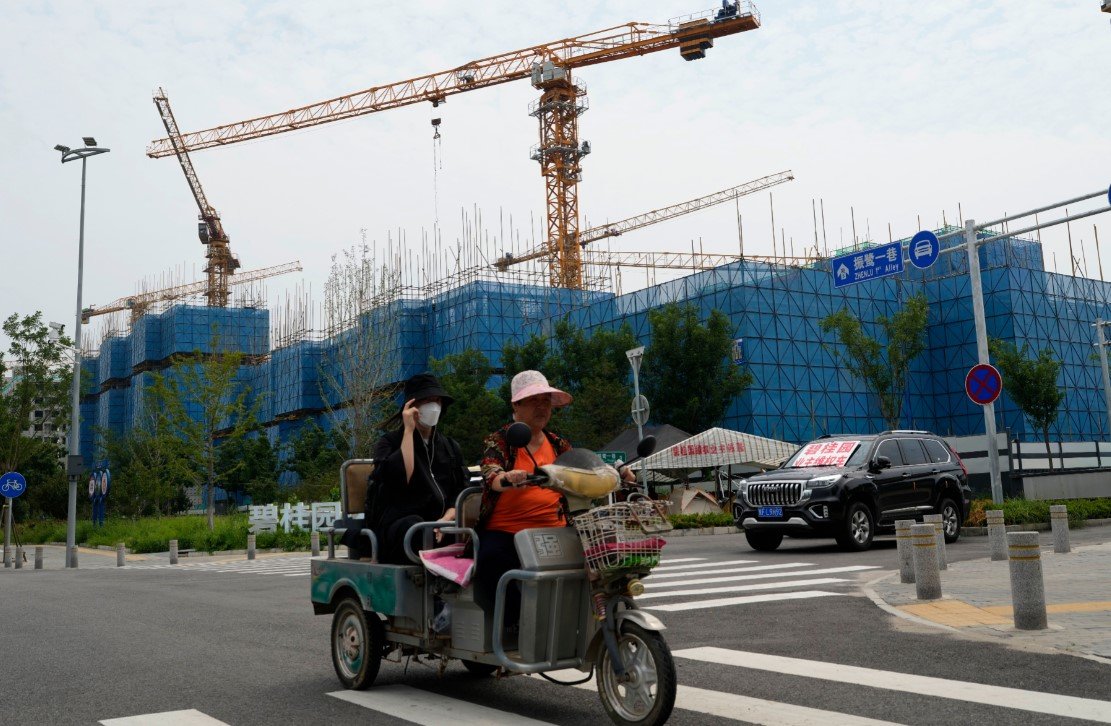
{"x": 447, "y": 562}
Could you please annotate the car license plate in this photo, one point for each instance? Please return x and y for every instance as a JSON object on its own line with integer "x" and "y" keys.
{"x": 769, "y": 511}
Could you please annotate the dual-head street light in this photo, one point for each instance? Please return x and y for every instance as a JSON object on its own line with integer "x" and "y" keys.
{"x": 74, "y": 466}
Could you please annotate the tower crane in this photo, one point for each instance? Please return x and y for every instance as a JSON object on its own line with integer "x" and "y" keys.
{"x": 221, "y": 262}
{"x": 141, "y": 302}
{"x": 615, "y": 229}
{"x": 549, "y": 67}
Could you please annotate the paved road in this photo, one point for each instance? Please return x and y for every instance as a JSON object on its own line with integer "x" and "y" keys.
{"x": 236, "y": 643}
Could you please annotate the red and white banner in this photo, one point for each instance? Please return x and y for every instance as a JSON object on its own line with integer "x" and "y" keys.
{"x": 825, "y": 453}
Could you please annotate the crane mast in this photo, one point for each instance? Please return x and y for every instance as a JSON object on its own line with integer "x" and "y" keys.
{"x": 562, "y": 101}
{"x": 221, "y": 262}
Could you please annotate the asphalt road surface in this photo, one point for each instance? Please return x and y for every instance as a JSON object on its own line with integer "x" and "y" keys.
{"x": 785, "y": 637}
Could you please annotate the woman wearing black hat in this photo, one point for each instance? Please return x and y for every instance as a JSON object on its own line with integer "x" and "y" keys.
{"x": 418, "y": 471}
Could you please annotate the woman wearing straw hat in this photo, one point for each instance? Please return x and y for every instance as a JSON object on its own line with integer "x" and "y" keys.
{"x": 418, "y": 471}
{"x": 506, "y": 508}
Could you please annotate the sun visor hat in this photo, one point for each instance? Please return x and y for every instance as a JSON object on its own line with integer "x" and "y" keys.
{"x": 533, "y": 383}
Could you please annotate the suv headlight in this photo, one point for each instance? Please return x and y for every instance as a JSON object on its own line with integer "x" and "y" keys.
{"x": 818, "y": 481}
{"x": 742, "y": 490}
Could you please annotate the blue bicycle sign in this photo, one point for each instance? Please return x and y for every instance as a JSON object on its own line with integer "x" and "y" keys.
{"x": 12, "y": 484}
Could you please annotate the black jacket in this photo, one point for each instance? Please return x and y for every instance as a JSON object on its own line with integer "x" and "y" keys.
{"x": 433, "y": 488}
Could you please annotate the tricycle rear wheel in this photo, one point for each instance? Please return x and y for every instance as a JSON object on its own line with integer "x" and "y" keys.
{"x": 357, "y": 642}
{"x": 647, "y": 698}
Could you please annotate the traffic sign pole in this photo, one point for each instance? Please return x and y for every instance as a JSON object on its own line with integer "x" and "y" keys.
{"x": 982, "y": 353}
{"x": 7, "y": 531}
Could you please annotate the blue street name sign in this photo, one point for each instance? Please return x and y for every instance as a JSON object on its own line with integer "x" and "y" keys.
{"x": 12, "y": 484}
{"x": 924, "y": 249}
{"x": 870, "y": 264}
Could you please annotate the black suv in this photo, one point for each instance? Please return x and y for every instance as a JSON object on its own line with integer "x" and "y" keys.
{"x": 850, "y": 487}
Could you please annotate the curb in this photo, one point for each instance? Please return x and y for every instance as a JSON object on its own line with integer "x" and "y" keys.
{"x": 703, "y": 531}
{"x": 1032, "y": 527}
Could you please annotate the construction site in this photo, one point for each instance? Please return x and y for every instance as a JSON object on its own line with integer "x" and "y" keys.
{"x": 479, "y": 284}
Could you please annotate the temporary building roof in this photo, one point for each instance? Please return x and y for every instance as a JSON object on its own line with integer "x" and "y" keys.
{"x": 719, "y": 447}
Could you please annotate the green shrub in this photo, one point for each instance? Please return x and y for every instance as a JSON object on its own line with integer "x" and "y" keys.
{"x": 1026, "y": 511}
{"x": 698, "y": 521}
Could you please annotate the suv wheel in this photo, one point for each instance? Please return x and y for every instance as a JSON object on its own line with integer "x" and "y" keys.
{"x": 857, "y": 529}
{"x": 763, "y": 541}
{"x": 950, "y": 520}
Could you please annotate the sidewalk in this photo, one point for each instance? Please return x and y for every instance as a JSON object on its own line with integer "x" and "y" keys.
{"x": 976, "y": 600}
{"x": 94, "y": 558}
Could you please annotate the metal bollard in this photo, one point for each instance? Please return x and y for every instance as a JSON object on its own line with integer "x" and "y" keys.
{"x": 120, "y": 553}
{"x": 250, "y": 547}
{"x": 1027, "y": 586}
{"x": 38, "y": 558}
{"x": 997, "y": 534}
{"x": 906, "y": 549}
{"x": 173, "y": 552}
{"x": 1059, "y": 520}
{"x": 19, "y": 558}
{"x": 73, "y": 557}
{"x": 927, "y": 578}
{"x": 939, "y": 527}
{"x": 314, "y": 538}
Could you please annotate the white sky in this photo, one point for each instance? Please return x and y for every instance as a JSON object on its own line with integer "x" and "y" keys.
{"x": 895, "y": 108}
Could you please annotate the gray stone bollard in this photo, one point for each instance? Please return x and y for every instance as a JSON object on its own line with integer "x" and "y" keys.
{"x": 1027, "y": 586}
{"x": 120, "y": 554}
{"x": 997, "y": 534}
{"x": 1059, "y": 520}
{"x": 73, "y": 557}
{"x": 19, "y": 558}
{"x": 939, "y": 528}
{"x": 173, "y": 552}
{"x": 906, "y": 549}
{"x": 314, "y": 538}
{"x": 250, "y": 547}
{"x": 38, "y": 557}
{"x": 927, "y": 578}
{"x": 7, "y": 556}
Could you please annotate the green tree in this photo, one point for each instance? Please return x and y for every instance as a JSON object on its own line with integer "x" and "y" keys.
{"x": 476, "y": 410}
{"x": 688, "y": 374}
{"x": 146, "y": 479}
{"x": 315, "y": 455}
{"x": 593, "y": 369}
{"x": 1031, "y": 382}
{"x": 249, "y": 464}
{"x": 35, "y": 382}
{"x": 202, "y": 405}
{"x": 47, "y": 495}
{"x": 882, "y": 369}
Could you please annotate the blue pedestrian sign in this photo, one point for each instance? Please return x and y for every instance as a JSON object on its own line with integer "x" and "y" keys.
{"x": 869, "y": 264}
{"x": 924, "y": 249}
{"x": 12, "y": 484}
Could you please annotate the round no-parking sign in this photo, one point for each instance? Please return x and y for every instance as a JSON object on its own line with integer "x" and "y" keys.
{"x": 983, "y": 384}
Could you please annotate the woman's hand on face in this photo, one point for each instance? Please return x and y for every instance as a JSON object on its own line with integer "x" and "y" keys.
{"x": 410, "y": 415}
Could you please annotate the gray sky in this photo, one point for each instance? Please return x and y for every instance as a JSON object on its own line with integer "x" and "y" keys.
{"x": 897, "y": 109}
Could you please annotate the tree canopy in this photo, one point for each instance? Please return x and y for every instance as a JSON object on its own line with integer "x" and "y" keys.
{"x": 1031, "y": 382}
{"x": 883, "y": 369}
{"x": 687, "y": 372}
{"x": 476, "y": 410}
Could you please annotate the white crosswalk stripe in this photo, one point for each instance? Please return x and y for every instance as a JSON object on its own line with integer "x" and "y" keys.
{"x": 190, "y": 717}
{"x": 282, "y": 565}
{"x": 681, "y": 581}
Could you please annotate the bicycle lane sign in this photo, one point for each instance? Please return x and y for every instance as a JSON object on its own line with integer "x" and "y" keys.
{"x": 12, "y": 484}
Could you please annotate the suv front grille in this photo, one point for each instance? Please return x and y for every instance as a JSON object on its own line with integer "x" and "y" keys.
{"x": 775, "y": 493}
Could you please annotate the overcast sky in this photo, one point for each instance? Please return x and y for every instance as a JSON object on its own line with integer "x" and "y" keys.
{"x": 896, "y": 109}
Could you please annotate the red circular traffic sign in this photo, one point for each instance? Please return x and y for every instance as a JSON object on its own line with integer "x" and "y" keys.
{"x": 983, "y": 384}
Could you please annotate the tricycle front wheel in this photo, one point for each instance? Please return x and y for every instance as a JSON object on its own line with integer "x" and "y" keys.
{"x": 647, "y": 695}
{"x": 357, "y": 642}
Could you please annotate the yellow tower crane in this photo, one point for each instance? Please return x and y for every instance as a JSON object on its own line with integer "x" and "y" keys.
{"x": 221, "y": 263}
{"x": 561, "y": 102}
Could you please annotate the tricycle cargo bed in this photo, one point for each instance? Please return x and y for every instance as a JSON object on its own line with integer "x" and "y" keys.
{"x": 392, "y": 590}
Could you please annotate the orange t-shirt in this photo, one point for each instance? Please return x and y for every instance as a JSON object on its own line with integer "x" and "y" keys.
{"x": 528, "y": 506}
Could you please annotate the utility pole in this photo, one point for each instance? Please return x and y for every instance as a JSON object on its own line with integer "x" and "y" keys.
{"x": 1101, "y": 344}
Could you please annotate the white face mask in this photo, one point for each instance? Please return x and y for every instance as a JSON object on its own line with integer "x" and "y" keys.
{"x": 429, "y": 413}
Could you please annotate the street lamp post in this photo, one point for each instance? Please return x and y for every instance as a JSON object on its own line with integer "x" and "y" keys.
{"x": 640, "y": 404}
{"x": 73, "y": 461}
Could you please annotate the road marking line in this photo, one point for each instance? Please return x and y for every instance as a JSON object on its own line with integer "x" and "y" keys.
{"x": 673, "y": 560}
{"x": 190, "y": 717}
{"x": 743, "y": 708}
{"x": 669, "y": 568}
{"x": 431, "y": 709}
{"x": 655, "y": 576}
{"x": 1033, "y": 701}
{"x": 742, "y": 588}
{"x": 743, "y": 600}
{"x": 652, "y": 584}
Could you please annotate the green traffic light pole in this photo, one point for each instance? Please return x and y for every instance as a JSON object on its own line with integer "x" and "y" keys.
{"x": 74, "y": 465}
